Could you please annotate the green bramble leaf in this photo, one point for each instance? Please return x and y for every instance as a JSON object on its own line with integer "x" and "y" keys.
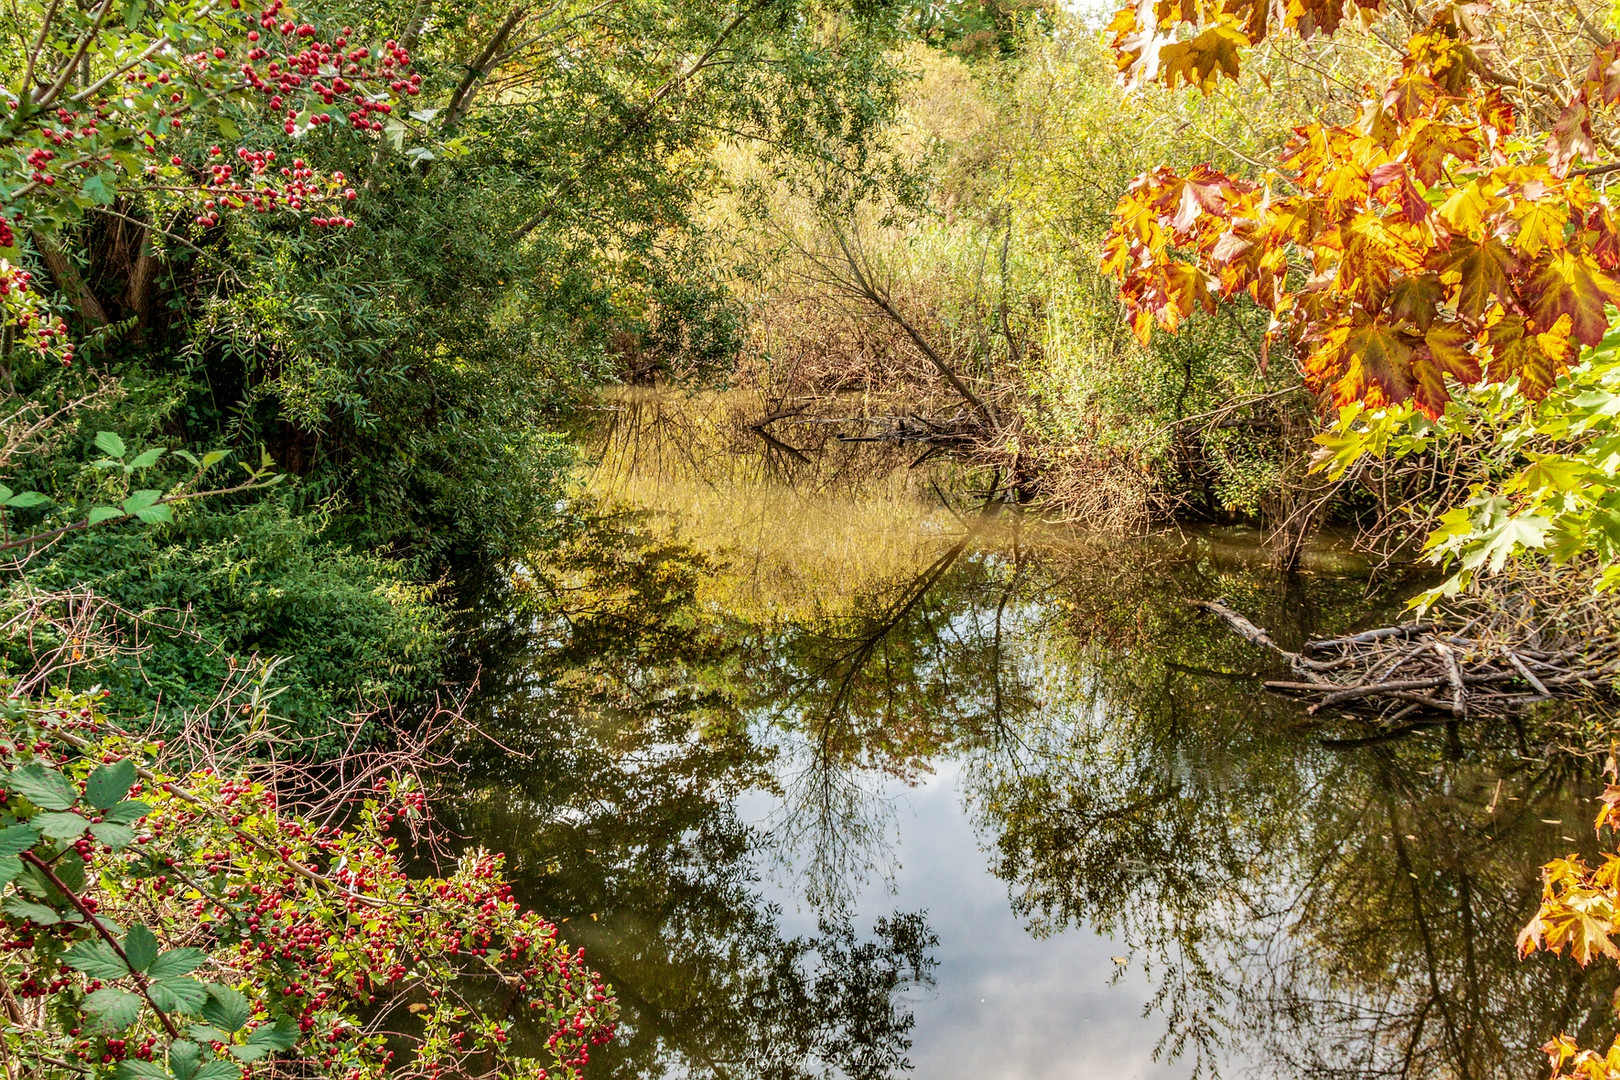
{"x": 99, "y": 514}
{"x": 207, "y": 1033}
{"x": 115, "y": 836}
{"x": 141, "y": 947}
{"x": 127, "y": 813}
{"x": 177, "y": 962}
{"x": 219, "y": 1070}
{"x": 110, "y": 444}
{"x": 227, "y": 1007}
{"x": 70, "y": 872}
{"x": 114, "y": 1010}
{"x": 147, "y": 458}
{"x": 26, "y": 499}
{"x": 214, "y": 457}
{"x": 155, "y": 515}
{"x": 184, "y": 1057}
{"x": 27, "y": 909}
{"x": 45, "y": 788}
{"x": 60, "y": 825}
{"x": 96, "y": 959}
{"x": 282, "y": 1035}
{"x": 10, "y": 867}
{"x": 178, "y": 994}
{"x": 108, "y": 785}
{"x": 249, "y": 1052}
{"x": 136, "y": 1069}
{"x": 17, "y": 839}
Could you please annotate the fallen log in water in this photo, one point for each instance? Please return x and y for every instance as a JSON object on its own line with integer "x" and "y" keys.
{"x": 1473, "y": 671}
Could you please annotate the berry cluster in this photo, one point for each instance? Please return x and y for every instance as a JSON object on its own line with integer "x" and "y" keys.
{"x": 320, "y": 928}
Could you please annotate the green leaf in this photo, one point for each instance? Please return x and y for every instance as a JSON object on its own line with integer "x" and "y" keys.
{"x": 70, "y": 872}
{"x": 134, "y": 10}
{"x": 127, "y": 813}
{"x": 27, "y": 909}
{"x": 115, "y": 836}
{"x": 186, "y": 456}
{"x": 227, "y": 1007}
{"x": 110, "y": 444}
{"x": 178, "y": 994}
{"x": 17, "y": 839}
{"x": 184, "y": 1057}
{"x": 155, "y": 515}
{"x": 228, "y": 128}
{"x": 96, "y": 959}
{"x": 219, "y": 1070}
{"x": 10, "y": 867}
{"x": 114, "y": 1010}
{"x": 141, "y": 947}
{"x": 136, "y": 1069}
{"x": 107, "y": 786}
{"x": 45, "y": 788}
{"x": 60, "y": 825}
{"x": 104, "y": 513}
{"x": 283, "y": 1035}
{"x": 141, "y": 500}
{"x": 214, "y": 457}
{"x": 101, "y": 188}
{"x": 177, "y": 962}
{"x": 147, "y": 458}
{"x": 26, "y": 499}
{"x": 249, "y": 1052}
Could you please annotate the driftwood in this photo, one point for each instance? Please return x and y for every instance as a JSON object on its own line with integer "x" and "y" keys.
{"x": 1421, "y": 667}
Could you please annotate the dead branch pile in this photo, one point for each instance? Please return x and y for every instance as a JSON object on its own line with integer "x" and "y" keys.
{"x": 1485, "y": 667}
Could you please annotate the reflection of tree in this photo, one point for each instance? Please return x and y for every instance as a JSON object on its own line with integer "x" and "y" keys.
{"x": 1322, "y": 907}
{"x": 879, "y": 689}
{"x": 616, "y": 703}
{"x": 1324, "y": 912}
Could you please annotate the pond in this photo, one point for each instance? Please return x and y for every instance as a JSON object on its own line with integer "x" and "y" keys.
{"x": 863, "y": 776}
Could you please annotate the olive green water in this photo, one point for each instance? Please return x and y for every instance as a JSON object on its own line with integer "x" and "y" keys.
{"x": 1012, "y": 811}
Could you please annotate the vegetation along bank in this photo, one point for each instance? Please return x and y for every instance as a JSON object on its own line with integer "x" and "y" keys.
{"x": 308, "y": 315}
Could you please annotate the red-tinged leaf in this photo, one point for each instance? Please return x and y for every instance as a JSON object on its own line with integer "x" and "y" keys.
{"x": 1202, "y": 191}
{"x": 1415, "y": 299}
{"x": 1450, "y": 347}
{"x": 1445, "y": 351}
{"x": 1541, "y": 224}
{"x": 1517, "y": 348}
{"x": 1229, "y": 246}
{"x": 1570, "y": 138}
{"x": 1603, "y": 75}
{"x": 1199, "y": 61}
{"x": 1573, "y": 284}
{"x": 1480, "y": 275}
{"x": 1377, "y": 364}
{"x": 1410, "y": 94}
{"x": 1393, "y": 173}
{"x": 1430, "y": 144}
{"x": 1496, "y": 119}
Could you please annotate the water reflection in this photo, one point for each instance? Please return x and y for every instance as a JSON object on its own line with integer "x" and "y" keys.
{"x": 1290, "y": 895}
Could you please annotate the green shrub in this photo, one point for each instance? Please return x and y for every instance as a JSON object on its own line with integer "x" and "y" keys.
{"x": 222, "y": 584}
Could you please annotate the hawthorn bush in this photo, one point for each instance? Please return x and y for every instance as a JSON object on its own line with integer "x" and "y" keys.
{"x": 154, "y": 930}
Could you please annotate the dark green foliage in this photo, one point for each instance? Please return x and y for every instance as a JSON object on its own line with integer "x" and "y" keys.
{"x": 227, "y": 583}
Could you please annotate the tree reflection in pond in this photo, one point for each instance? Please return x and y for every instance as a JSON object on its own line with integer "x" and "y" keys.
{"x": 1309, "y": 897}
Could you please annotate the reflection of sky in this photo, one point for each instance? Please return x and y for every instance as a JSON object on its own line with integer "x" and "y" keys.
{"x": 1004, "y": 1005}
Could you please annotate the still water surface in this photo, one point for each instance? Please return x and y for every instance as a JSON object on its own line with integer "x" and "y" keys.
{"x": 1011, "y": 810}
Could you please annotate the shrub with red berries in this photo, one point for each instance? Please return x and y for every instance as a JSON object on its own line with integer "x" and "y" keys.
{"x": 158, "y": 929}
